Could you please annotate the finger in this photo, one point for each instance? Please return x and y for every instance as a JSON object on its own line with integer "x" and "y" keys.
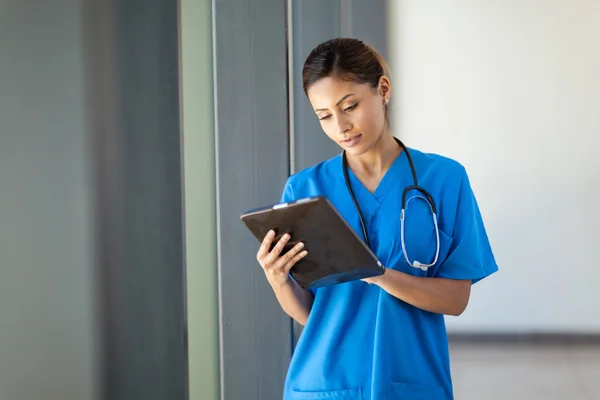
{"x": 282, "y": 261}
{"x": 274, "y": 254}
{"x": 278, "y": 267}
{"x": 265, "y": 245}
{"x": 290, "y": 264}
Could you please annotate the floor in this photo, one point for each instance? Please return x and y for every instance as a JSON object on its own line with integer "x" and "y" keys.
{"x": 525, "y": 372}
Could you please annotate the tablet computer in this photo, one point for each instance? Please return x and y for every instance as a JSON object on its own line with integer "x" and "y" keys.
{"x": 336, "y": 254}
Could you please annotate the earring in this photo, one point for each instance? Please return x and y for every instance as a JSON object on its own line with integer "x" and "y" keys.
{"x": 387, "y": 101}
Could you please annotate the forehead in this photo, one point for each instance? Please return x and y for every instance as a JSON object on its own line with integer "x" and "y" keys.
{"x": 328, "y": 91}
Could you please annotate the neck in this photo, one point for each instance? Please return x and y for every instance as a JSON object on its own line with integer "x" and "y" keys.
{"x": 377, "y": 160}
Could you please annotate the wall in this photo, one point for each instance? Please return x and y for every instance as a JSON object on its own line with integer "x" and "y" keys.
{"x": 312, "y": 22}
{"x": 252, "y": 162}
{"x": 200, "y": 195}
{"x": 511, "y": 89}
{"x": 134, "y": 112}
{"x": 46, "y": 261}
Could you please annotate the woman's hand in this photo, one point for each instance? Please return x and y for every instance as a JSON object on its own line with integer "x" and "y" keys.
{"x": 276, "y": 266}
{"x": 295, "y": 300}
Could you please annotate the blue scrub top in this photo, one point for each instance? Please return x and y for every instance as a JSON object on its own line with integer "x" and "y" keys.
{"x": 360, "y": 342}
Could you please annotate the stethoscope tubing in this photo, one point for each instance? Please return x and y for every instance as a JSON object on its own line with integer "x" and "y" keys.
{"x": 426, "y": 196}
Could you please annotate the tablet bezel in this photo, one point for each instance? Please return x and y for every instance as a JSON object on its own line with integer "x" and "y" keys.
{"x": 318, "y": 269}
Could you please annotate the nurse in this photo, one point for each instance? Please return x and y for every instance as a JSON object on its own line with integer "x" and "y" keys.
{"x": 384, "y": 337}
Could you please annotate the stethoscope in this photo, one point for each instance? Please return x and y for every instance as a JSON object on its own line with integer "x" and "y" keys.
{"x": 425, "y": 196}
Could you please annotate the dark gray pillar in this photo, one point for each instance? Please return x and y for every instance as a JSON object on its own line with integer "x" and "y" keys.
{"x": 252, "y": 166}
{"x": 313, "y": 22}
{"x": 264, "y": 132}
{"x": 47, "y": 332}
{"x": 133, "y": 72}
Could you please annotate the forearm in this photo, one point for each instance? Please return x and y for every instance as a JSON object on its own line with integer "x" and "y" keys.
{"x": 295, "y": 300}
{"x": 438, "y": 295}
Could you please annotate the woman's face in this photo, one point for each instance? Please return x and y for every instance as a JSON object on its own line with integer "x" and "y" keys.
{"x": 351, "y": 114}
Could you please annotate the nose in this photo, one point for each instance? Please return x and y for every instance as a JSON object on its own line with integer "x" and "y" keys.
{"x": 344, "y": 125}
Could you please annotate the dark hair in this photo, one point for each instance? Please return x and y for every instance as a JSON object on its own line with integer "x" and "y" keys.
{"x": 345, "y": 58}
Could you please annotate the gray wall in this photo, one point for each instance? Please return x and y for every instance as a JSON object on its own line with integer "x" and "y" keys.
{"x": 134, "y": 98}
{"x": 92, "y": 278}
{"x": 91, "y": 216}
{"x": 252, "y": 166}
{"x": 315, "y": 21}
{"x": 265, "y": 129}
{"x": 46, "y": 257}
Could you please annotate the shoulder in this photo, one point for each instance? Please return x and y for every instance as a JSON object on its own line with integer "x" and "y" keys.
{"x": 437, "y": 161}
{"x": 315, "y": 175}
{"x": 438, "y": 166}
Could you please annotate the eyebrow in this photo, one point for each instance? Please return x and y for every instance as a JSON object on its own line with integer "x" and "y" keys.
{"x": 338, "y": 103}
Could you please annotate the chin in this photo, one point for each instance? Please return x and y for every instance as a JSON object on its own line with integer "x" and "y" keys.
{"x": 356, "y": 150}
{"x": 359, "y": 149}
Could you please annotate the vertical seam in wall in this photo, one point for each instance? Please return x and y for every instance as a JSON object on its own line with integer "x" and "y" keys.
{"x": 290, "y": 85}
{"x": 345, "y": 18}
{"x": 218, "y": 202}
{"x": 289, "y": 45}
{"x": 182, "y": 161}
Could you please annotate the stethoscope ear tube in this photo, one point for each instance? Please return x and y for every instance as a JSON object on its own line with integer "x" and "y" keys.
{"x": 424, "y": 192}
{"x": 360, "y": 215}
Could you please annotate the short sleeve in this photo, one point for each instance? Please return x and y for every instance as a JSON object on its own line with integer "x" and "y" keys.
{"x": 288, "y": 192}
{"x": 470, "y": 256}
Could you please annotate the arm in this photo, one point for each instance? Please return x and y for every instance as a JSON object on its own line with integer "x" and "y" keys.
{"x": 438, "y": 295}
{"x": 469, "y": 259}
{"x": 294, "y": 300}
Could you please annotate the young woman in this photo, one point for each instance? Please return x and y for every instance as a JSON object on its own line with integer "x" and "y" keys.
{"x": 383, "y": 337}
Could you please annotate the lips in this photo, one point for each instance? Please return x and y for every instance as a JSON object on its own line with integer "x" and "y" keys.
{"x": 351, "y": 141}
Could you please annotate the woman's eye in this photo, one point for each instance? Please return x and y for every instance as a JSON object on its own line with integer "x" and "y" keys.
{"x": 325, "y": 117}
{"x": 352, "y": 107}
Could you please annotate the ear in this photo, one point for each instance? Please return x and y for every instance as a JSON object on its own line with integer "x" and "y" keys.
{"x": 385, "y": 89}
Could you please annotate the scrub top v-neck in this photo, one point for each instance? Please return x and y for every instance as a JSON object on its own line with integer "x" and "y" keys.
{"x": 361, "y": 343}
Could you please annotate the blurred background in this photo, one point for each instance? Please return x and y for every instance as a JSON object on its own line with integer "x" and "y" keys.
{"x": 134, "y": 133}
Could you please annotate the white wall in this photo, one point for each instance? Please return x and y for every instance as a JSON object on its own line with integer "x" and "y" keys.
{"x": 512, "y": 90}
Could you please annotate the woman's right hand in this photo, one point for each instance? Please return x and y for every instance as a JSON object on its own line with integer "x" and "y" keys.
{"x": 276, "y": 266}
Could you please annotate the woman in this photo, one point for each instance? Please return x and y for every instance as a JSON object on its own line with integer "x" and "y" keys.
{"x": 382, "y": 337}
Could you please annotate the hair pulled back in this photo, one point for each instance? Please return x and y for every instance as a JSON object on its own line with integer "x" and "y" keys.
{"x": 348, "y": 59}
